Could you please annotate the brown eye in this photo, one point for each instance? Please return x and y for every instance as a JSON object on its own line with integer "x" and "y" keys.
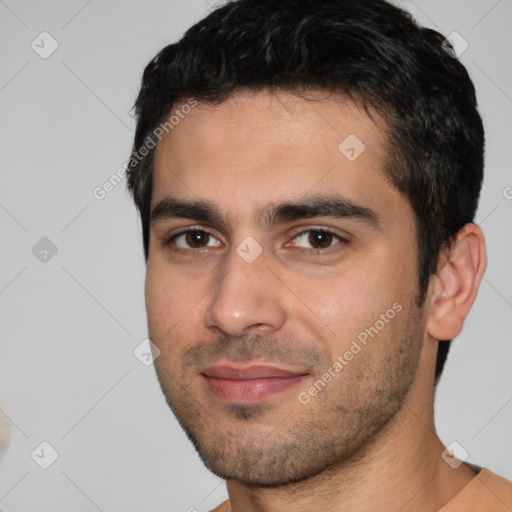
{"x": 196, "y": 238}
{"x": 320, "y": 239}
{"x": 317, "y": 239}
{"x": 192, "y": 239}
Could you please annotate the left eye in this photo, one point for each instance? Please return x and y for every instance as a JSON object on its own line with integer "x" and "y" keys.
{"x": 317, "y": 239}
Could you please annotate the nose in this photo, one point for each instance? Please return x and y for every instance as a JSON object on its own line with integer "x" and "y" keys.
{"x": 248, "y": 298}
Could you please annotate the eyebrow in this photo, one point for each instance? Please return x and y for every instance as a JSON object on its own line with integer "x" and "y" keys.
{"x": 275, "y": 213}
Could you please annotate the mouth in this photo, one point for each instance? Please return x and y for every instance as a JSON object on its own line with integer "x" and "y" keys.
{"x": 245, "y": 384}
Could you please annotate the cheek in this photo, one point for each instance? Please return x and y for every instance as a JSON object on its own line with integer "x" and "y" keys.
{"x": 347, "y": 302}
{"x": 335, "y": 307}
{"x": 173, "y": 305}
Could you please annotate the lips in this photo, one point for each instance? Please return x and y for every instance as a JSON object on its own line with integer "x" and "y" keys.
{"x": 249, "y": 384}
{"x": 248, "y": 372}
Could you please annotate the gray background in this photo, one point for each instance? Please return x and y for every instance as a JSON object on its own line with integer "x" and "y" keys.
{"x": 70, "y": 324}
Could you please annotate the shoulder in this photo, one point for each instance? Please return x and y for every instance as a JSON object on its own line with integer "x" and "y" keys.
{"x": 487, "y": 492}
{"x": 497, "y": 484}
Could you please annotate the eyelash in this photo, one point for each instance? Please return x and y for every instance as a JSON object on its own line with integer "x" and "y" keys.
{"x": 168, "y": 241}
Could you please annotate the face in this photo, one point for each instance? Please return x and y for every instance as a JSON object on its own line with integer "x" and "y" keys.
{"x": 281, "y": 284}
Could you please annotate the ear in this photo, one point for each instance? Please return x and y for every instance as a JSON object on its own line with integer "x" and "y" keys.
{"x": 454, "y": 287}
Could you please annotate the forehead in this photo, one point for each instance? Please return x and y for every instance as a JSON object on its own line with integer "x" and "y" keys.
{"x": 261, "y": 147}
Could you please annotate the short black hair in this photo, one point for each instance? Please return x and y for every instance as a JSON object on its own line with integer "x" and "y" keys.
{"x": 369, "y": 50}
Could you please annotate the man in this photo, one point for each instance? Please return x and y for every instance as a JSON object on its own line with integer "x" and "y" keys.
{"x": 307, "y": 173}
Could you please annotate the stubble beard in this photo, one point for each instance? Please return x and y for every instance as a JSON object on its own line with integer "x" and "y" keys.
{"x": 332, "y": 430}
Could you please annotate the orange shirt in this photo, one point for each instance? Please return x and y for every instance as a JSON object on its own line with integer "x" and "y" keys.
{"x": 487, "y": 492}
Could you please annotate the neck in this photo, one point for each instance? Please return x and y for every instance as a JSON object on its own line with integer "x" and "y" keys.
{"x": 400, "y": 469}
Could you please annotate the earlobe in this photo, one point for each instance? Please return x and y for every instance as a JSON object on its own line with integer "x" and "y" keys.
{"x": 453, "y": 289}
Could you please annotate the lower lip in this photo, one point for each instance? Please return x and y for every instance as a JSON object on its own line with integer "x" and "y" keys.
{"x": 249, "y": 390}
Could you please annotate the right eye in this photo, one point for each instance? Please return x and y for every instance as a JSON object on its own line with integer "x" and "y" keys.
{"x": 191, "y": 239}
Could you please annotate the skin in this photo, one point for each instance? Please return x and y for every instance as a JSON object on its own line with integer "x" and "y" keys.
{"x": 371, "y": 426}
